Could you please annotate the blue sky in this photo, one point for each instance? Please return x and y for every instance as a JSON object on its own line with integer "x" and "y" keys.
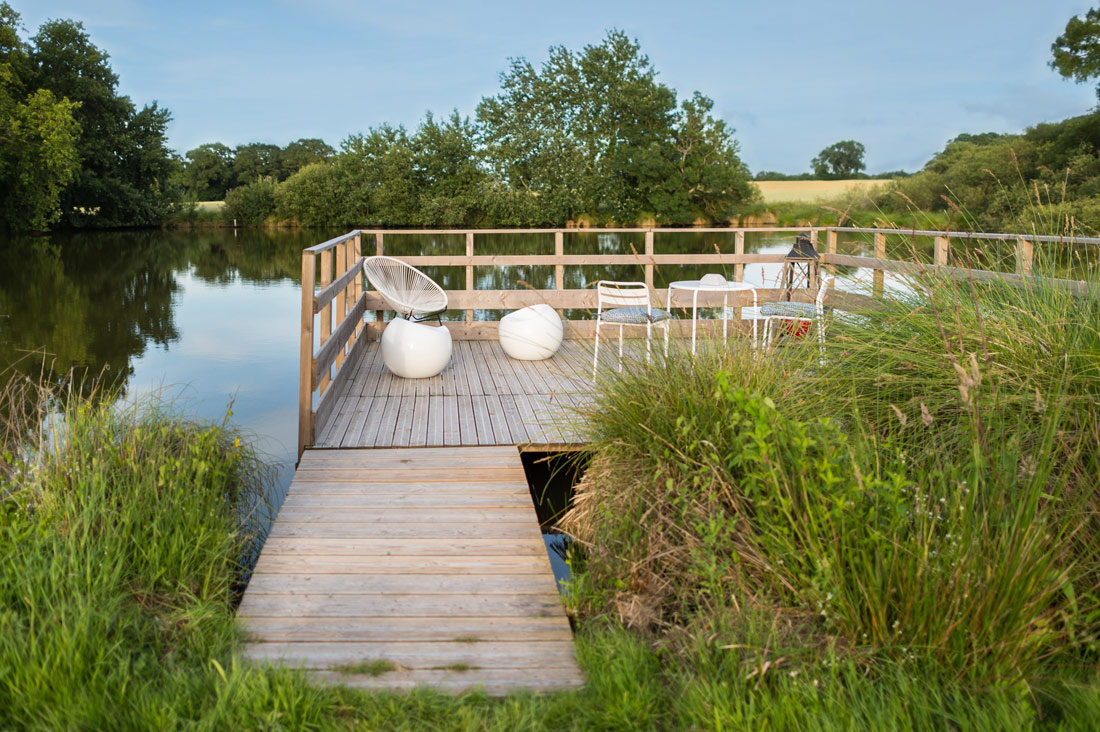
{"x": 790, "y": 77}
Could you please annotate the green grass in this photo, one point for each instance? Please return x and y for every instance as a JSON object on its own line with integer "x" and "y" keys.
{"x": 903, "y": 538}
{"x": 376, "y": 667}
{"x": 922, "y": 506}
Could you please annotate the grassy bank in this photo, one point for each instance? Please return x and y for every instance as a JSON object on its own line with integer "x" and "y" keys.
{"x": 905, "y": 537}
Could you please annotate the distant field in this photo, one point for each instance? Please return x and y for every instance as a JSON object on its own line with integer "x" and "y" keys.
{"x": 210, "y": 205}
{"x": 777, "y": 191}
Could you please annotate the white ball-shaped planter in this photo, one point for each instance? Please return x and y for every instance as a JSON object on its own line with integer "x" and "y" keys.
{"x": 531, "y": 333}
{"x": 414, "y": 350}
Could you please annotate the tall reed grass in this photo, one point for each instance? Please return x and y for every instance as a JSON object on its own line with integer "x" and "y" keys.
{"x": 926, "y": 497}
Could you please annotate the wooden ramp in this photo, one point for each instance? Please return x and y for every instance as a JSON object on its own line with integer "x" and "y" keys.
{"x": 426, "y": 560}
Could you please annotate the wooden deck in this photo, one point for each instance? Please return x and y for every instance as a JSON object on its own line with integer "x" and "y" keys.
{"x": 430, "y": 560}
{"x": 481, "y": 398}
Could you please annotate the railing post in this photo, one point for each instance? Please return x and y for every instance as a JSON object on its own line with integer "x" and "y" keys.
{"x": 830, "y": 248}
{"x": 378, "y": 250}
{"x": 559, "y": 269}
{"x": 357, "y": 283}
{"x": 1025, "y": 257}
{"x": 942, "y": 251}
{"x": 469, "y": 274}
{"x": 341, "y": 256}
{"x": 326, "y": 311}
{"x": 739, "y": 248}
{"x": 880, "y": 253}
{"x": 649, "y": 258}
{"x": 305, "y": 357}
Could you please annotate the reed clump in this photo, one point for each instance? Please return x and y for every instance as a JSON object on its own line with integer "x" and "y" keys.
{"x": 123, "y": 529}
{"x": 924, "y": 496}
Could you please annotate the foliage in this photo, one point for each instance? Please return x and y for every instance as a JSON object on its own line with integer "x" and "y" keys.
{"x": 121, "y": 540}
{"x": 593, "y": 133}
{"x": 1076, "y": 53}
{"x": 210, "y": 170}
{"x": 842, "y": 159}
{"x": 38, "y": 135}
{"x": 1045, "y": 179}
{"x": 125, "y": 165}
{"x": 314, "y": 196}
{"x": 924, "y": 499}
{"x": 251, "y": 203}
{"x": 207, "y": 174}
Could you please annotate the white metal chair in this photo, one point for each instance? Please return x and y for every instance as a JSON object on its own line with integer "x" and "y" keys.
{"x": 629, "y": 305}
{"x": 409, "y": 291}
{"x": 812, "y": 314}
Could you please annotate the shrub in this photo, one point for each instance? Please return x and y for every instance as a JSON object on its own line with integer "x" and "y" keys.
{"x": 252, "y": 203}
{"x": 313, "y": 197}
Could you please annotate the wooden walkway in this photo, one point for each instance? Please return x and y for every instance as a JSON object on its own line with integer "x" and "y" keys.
{"x": 429, "y": 562}
{"x": 481, "y": 398}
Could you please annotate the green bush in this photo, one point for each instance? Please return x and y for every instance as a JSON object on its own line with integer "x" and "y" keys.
{"x": 251, "y": 204}
{"x": 313, "y": 196}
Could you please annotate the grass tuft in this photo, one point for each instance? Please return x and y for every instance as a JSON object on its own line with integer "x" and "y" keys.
{"x": 375, "y": 667}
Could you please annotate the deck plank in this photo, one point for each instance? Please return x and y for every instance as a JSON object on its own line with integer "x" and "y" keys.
{"x": 430, "y": 558}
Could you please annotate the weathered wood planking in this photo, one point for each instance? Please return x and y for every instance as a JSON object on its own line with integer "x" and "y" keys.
{"x": 429, "y": 558}
{"x": 481, "y": 398}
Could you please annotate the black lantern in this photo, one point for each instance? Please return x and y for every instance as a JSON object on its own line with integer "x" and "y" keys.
{"x": 801, "y": 267}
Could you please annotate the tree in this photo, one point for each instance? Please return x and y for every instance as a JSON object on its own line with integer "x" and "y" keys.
{"x": 840, "y": 160}
{"x": 1076, "y": 53}
{"x": 38, "y": 137}
{"x": 255, "y": 160}
{"x": 594, "y": 133}
{"x": 208, "y": 172}
{"x": 451, "y": 184}
{"x": 301, "y": 153}
{"x": 125, "y": 164}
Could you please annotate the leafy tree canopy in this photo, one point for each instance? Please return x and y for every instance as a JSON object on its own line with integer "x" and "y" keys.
{"x": 594, "y": 133}
{"x": 125, "y": 165}
{"x": 1076, "y": 53}
{"x": 842, "y": 159}
{"x": 38, "y": 137}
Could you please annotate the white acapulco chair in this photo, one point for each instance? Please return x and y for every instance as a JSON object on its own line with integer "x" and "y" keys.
{"x": 409, "y": 291}
{"x": 410, "y": 348}
{"x": 629, "y": 305}
{"x": 813, "y": 314}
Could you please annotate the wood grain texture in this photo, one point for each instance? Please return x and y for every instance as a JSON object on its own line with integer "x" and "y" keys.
{"x": 428, "y": 558}
{"x": 483, "y": 397}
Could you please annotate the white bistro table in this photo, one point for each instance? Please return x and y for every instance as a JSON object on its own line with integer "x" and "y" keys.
{"x": 695, "y": 286}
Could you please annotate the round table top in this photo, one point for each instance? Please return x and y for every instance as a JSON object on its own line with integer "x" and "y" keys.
{"x": 699, "y": 285}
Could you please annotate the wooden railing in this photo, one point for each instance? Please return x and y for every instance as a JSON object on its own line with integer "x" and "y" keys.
{"x": 337, "y": 266}
{"x": 330, "y": 351}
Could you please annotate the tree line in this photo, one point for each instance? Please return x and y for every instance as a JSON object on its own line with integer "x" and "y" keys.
{"x": 589, "y": 135}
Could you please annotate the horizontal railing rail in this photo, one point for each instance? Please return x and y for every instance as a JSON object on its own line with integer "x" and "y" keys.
{"x": 333, "y": 286}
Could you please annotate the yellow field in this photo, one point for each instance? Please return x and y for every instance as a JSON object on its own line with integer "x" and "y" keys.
{"x": 777, "y": 191}
{"x": 210, "y": 205}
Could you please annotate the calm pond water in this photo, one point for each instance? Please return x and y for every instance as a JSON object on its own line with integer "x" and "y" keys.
{"x": 210, "y": 317}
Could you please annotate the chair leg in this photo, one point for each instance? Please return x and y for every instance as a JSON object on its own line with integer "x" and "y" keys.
{"x": 596, "y": 351}
{"x": 648, "y": 334}
{"x": 665, "y": 323}
{"x": 620, "y": 348}
{"x": 821, "y": 340}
